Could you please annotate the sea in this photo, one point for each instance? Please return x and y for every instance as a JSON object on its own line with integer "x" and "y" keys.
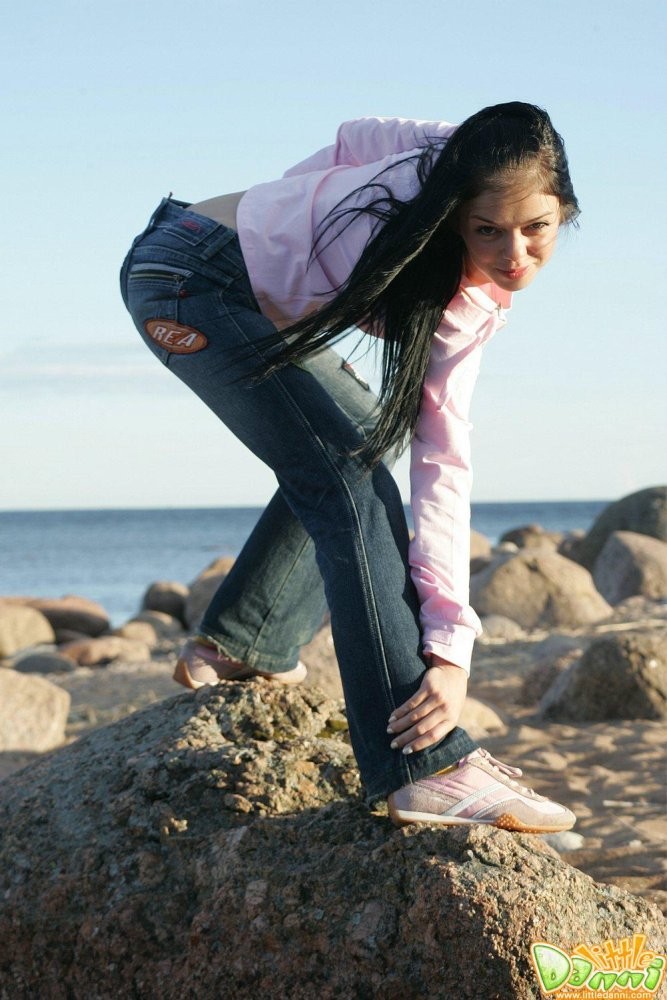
{"x": 111, "y": 556}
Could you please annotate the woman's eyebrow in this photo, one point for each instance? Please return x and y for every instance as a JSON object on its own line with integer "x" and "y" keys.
{"x": 490, "y": 222}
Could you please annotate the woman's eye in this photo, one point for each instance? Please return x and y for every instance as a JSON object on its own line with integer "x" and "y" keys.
{"x": 486, "y": 230}
{"x": 537, "y": 227}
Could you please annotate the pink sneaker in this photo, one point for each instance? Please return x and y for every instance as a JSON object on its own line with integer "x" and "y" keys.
{"x": 200, "y": 664}
{"x": 478, "y": 789}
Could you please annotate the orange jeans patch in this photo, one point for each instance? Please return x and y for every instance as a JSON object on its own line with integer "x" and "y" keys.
{"x": 175, "y": 337}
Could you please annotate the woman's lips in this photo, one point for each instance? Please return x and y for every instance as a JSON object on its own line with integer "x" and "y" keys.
{"x": 514, "y": 273}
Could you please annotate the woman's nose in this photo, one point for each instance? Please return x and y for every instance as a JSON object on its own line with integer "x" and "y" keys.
{"x": 515, "y": 247}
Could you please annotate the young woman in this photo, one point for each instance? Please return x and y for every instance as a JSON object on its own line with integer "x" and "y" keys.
{"x": 418, "y": 233}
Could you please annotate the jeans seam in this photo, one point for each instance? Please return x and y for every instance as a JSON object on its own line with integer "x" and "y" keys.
{"x": 351, "y": 506}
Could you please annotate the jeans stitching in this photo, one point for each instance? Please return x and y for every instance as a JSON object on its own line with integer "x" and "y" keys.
{"x": 367, "y": 588}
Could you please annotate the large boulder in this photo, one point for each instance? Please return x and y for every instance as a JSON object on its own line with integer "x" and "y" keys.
{"x": 44, "y": 662}
{"x": 151, "y": 627}
{"x": 78, "y": 614}
{"x": 530, "y": 536}
{"x": 620, "y": 676}
{"x": 214, "y": 846}
{"x": 498, "y": 628}
{"x": 537, "y": 588}
{"x": 106, "y": 649}
{"x": 142, "y": 632}
{"x": 165, "y": 626}
{"x": 644, "y": 512}
{"x": 631, "y": 565}
{"x": 22, "y": 627}
{"x": 166, "y": 596}
{"x": 480, "y": 720}
{"x": 480, "y": 546}
{"x": 33, "y": 714}
{"x": 550, "y": 658}
{"x": 203, "y": 588}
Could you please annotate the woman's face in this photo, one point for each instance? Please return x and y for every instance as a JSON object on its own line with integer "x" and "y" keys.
{"x": 509, "y": 234}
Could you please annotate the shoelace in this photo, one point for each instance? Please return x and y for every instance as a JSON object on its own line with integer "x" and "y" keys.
{"x": 509, "y": 772}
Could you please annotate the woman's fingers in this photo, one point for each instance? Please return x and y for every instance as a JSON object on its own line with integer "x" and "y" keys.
{"x": 410, "y": 705}
{"x": 432, "y": 712}
{"x": 398, "y": 723}
{"x": 424, "y": 740}
{"x": 428, "y": 730}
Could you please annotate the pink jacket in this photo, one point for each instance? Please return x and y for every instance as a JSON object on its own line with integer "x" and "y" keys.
{"x": 277, "y": 223}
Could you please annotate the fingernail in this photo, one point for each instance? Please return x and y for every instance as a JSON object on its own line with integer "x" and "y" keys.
{"x": 393, "y": 745}
{"x": 407, "y": 750}
{"x": 392, "y": 718}
{"x": 389, "y": 729}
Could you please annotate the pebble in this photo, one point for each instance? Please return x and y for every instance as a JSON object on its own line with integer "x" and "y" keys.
{"x": 565, "y": 841}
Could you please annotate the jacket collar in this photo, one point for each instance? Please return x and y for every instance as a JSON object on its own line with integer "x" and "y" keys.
{"x": 489, "y": 297}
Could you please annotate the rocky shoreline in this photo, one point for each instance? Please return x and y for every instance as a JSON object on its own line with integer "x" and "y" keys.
{"x": 569, "y": 682}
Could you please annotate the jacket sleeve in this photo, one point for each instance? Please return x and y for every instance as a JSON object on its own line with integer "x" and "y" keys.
{"x": 441, "y": 481}
{"x": 367, "y": 140}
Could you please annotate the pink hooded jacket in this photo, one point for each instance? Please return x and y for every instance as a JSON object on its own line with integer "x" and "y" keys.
{"x": 277, "y": 224}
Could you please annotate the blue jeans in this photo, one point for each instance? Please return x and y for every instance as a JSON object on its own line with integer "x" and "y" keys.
{"x": 333, "y": 521}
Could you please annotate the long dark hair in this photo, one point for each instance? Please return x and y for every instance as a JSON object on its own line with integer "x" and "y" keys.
{"x": 412, "y": 266}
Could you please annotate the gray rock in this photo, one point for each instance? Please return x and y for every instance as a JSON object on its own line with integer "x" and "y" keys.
{"x": 544, "y": 674}
{"x": 165, "y": 626}
{"x": 20, "y": 628}
{"x": 33, "y": 713}
{"x": 477, "y": 565}
{"x": 151, "y": 628}
{"x": 570, "y": 543}
{"x": 43, "y": 663}
{"x": 644, "y": 512}
{"x": 480, "y": 546}
{"x": 532, "y": 536}
{"x": 631, "y": 565}
{"x": 166, "y": 596}
{"x": 106, "y": 649}
{"x": 78, "y": 614}
{"x": 640, "y": 609}
{"x": 557, "y": 644}
{"x": 568, "y": 840}
{"x": 505, "y": 547}
{"x": 537, "y": 588}
{"x": 550, "y": 658}
{"x": 620, "y": 676}
{"x": 480, "y": 720}
{"x": 143, "y": 632}
{"x": 480, "y": 551}
{"x": 214, "y": 846}
{"x": 498, "y": 628}
{"x": 64, "y": 635}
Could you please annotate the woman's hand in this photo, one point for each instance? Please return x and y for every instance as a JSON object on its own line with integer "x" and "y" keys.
{"x": 433, "y": 711}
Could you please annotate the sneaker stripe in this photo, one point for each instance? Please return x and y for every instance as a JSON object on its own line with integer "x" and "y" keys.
{"x": 481, "y": 793}
{"x": 510, "y": 797}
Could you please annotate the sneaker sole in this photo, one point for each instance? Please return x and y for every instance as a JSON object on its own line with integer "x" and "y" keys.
{"x": 183, "y": 676}
{"x": 506, "y": 821}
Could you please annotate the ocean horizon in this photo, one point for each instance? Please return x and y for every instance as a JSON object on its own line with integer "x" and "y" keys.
{"x": 111, "y": 555}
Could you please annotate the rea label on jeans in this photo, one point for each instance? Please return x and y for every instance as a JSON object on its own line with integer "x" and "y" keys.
{"x": 175, "y": 337}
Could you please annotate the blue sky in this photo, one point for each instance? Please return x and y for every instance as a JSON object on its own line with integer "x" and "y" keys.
{"x": 111, "y": 105}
